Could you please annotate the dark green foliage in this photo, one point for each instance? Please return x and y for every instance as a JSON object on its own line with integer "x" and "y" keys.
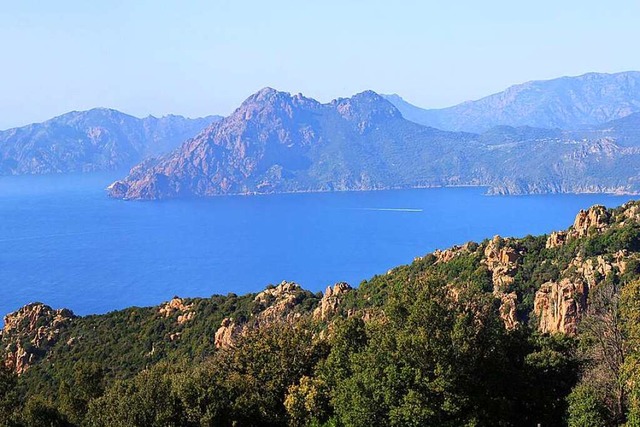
{"x": 440, "y": 360}
{"x": 626, "y": 237}
{"x": 8, "y": 397}
{"x": 586, "y": 408}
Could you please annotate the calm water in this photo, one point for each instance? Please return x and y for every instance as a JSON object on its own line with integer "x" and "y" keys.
{"x": 63, "y": 242}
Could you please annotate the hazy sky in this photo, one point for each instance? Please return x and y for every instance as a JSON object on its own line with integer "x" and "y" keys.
{"x": 204, "y": 57}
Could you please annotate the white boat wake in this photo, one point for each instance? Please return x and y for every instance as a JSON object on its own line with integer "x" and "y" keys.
{"x": 390, "y": 209}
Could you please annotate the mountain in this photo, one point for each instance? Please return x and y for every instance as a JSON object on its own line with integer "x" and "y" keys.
{"x": 95, "y": 140}
{"x": 565, "y": 103}
{"x": 419, "y": 345}
{"x": 276, "y": 142}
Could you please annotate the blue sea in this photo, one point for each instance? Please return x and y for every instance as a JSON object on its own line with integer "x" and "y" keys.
{"x": 65, "y": 243}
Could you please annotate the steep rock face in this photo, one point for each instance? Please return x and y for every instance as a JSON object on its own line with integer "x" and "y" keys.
{"x": 593, "y": 220}
{"x": 556, "y": 239}
{"x": 330, "y": 302}
{"x": 596, "y": 218}
{"x": 29, "y": 332}
{"x": 559, "y": 306}
{"x": 95, "y": 140}
{"x": 502, "y": 262}
{"x": 227, "y": 333}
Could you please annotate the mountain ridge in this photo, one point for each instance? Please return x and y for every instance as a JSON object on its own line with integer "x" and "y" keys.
{"x": 99, "y": 139}
{"x": 276, "y": 142}
{"x": 565, "y": 102}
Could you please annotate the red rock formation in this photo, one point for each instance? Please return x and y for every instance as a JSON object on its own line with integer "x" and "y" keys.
{"x": 37, "y": 324}
{"x": 559, "y": 306}
{"x": 331, "y": 300}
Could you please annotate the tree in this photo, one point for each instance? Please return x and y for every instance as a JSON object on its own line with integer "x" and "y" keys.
{"x": 604, "y": 349}
{"x": 75, "y": 393}
{"x": 430, "y": 361}
{"x": 8, "y": 396}
{"x": 147, "y": 400}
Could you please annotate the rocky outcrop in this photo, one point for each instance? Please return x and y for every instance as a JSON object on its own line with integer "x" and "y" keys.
{"x": 227, "y": 333}
{"x": 594, "y": 219}
{"x": 177, "y": 305}
{"x": 30, "y": 332}
{"x": 330, "y": 302}
{"x": 447, "y": 255}
{"x": 559, "y": 306}
{"x": 501, "y": 260}
{"x": 556, "y": 239}
{"x": 275, "y": 304}
{"x": 508, "y": 310}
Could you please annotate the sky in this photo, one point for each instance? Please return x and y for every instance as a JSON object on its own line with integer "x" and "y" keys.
{"x": 205, "y": 57}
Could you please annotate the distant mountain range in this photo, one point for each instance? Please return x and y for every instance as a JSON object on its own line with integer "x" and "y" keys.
{"x": 95, "y": 140}
{"x": 572, "y": 134}
{"x": 565, "y": 103}
{"x": 275, "y": 142}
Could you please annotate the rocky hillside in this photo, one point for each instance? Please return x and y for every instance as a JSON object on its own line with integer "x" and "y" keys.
{"x": 94, "y": 140}
{"x": 506, "y": 311}
{"x": 276, "y": 142}
{"x": 542, "y": 281}
{"x": 565, "y": 103}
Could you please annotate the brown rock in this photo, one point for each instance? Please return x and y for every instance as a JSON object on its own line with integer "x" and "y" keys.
{"x": 37, "y": 324}
{"x": 177, "y": 305}
{"x": 502, "y": 261}
{"x": 226, "y": 334}
{"x": 595, "y": 218}
{"x": 330, "y": 302}
{"x": 556, "y": 239}
{"x": 559, "y": 306}
{"x": 508, "y": 313}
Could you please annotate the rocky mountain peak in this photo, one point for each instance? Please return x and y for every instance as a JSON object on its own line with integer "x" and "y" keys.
{"x": 29, "y": 332}
{"x": 330, "y": 302}
{"x": 366, "y": 110}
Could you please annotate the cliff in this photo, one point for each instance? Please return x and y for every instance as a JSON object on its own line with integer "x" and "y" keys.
{"x": 505, "y": 312}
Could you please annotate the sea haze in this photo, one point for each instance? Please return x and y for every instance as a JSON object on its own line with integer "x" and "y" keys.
{"x": 64, "y": 243}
